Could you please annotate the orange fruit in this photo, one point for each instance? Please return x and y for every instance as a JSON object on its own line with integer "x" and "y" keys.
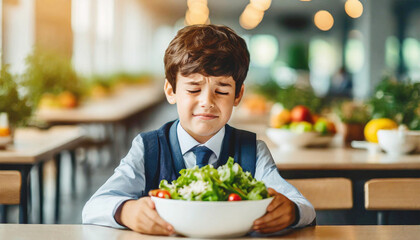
{"x": 374, "y": 125}
{"x": 4, "y": 132}
{"x": 67, "y": 99}
{"x": 280, "y": 119}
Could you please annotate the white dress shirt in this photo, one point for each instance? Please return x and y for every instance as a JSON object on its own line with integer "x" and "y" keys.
{"x": 128, "y": 180}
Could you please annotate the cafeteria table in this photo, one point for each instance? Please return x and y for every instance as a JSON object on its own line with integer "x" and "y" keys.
{"x": 358, "y": 165}
{"x": 92, "y": 232}
{"x": 32, "y": 147}
{"x": 120, "y": 113}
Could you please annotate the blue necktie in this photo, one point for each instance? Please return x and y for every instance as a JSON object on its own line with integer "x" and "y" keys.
{"x": 202, "y": 155}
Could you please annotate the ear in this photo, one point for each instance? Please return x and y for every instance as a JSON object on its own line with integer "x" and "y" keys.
{"x": 169, "y": 92}
{"x": 239, "y": 97}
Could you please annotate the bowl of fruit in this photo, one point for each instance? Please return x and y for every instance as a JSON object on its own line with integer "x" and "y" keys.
{"x": 298, "y": 128}
{"x": 212, "y": 203}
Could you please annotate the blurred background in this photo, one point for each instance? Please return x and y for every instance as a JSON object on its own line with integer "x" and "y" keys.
{"x": 345, "y": 61}
{"x": 337, "y": 49}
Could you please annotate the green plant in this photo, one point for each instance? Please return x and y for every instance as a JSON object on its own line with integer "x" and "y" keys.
{"x": 14, "y": 104}
{"x": 48, "y": 72}
{"x": 399, "y": 101}
{"x": 291, "y": 96}
{"x": 297, "y": 56}
{"x": 352, "y": 112}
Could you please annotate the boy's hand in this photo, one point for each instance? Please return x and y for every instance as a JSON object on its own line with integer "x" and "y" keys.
{"x": 280, "y": 214}
{"x": 141, "y": 216}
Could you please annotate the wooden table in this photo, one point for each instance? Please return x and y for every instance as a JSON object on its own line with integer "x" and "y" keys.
{"x": 120, "y": 111}
{"x": 356, "y": 164}
{"x": 321, "y": 159}
{"x": 88, "y": 232}
{"x": 33, "y": 147}
{"x": 117, "y": 107}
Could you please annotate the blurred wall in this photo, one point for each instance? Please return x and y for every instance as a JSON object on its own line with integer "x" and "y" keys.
{"x": 18, "y": 33}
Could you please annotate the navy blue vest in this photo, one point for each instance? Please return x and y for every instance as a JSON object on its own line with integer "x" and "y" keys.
{"x": 163, "y": 158}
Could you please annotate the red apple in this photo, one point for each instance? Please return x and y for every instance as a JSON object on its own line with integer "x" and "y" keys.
{"x": 301, "y": 113}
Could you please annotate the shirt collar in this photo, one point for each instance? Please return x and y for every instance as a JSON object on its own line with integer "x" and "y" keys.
{"x": 186, "y": 142}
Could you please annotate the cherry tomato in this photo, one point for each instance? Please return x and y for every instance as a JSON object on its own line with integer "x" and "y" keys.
{"x": 154, "y": 192}
{"x": 163, "y": 194}
{"x": 234, "y": 197}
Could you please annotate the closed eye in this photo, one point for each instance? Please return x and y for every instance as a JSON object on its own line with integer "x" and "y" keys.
{"x": 193, "y": 91}
{"x": 222, "y": 93}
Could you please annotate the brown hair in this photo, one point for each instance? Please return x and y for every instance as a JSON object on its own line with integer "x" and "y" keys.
{"x": 209, "y": 50}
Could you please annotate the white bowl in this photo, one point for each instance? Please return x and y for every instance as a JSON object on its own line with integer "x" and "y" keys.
{"x": 287, "y": 139}
{"x": 398, "y": 141}
{"x": 203, "y": 219}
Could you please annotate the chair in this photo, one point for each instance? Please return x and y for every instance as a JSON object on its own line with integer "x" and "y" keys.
{"x": 326, "y": 193}
{"x": 10, "y": 184}
{"x": 383, "y": 195}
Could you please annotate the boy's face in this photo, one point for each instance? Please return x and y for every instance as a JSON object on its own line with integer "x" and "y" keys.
{"x": 204, "y": 104}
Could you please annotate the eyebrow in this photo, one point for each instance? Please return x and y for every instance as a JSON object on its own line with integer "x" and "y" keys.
{"x": 197, "y": 83}
{"x": 224, "y": 84}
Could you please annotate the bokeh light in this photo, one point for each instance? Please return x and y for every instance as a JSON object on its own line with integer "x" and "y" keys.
{"x": 323, "y": 20}
{"x": 353, "y": 8}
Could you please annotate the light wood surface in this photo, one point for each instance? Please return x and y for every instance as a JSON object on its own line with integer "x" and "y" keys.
{"x": 10, "y": 184}
{"x": 331, "y": 158}
{"x": 90, "y": 232}
{"x": 326, "y": 193}
{"x": 117, "y": 107}
{"x": 32, "y": 145}
{"x": 393, "y": 194}
{"x": 342, "y": 159}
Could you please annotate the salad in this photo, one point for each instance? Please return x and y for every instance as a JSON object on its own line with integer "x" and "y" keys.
{"x": 226, "y": 183}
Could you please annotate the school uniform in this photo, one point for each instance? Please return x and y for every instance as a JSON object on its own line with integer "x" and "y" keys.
{"x": 160, "y": 154}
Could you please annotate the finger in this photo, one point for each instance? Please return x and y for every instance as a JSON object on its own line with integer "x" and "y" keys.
{"x": 272, "y": 229}
{"x": 271, "y": 191}
{"x": 148, "y": 221}
{"x": 273, "y": 211}
{"x": 266, "y": 218}
{"x": 276, "y": 203}
{"x": 155, "y": 218}
{"x": 280, "y": 220}
{"x": 149, "y": 226}
{"x": 261, "y": 225}
{"x": 149, "y": 202}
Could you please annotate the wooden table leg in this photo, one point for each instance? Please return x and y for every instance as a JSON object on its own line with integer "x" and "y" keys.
{"x": 382, "y": 218}
{"x": 73, "y": 171}
{"x": 3, "y": 210}
{"x": 23, "y": 206}
{"x": 41, "y": 191}
{"x": 57, "y": 159}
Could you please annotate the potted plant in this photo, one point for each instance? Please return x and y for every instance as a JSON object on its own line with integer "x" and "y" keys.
{"x": 51, "y": 80}
{"x": 291, "y": 96}
{"x": 353, "y": 117}
{"x": 397, "y": 100}
{"x": 15, "y": 105}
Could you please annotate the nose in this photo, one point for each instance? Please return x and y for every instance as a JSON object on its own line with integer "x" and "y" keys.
{"x": 206, "y": 98}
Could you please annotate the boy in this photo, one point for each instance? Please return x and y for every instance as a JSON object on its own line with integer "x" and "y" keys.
{"x": 205, "y": 66}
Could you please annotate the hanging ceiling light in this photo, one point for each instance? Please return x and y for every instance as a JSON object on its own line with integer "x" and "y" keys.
{"x": 251, "y": 17}
{"x": 253, "y": 13}
{"x": 354, "y": 8}
{"x": 261, "y": 5}
{"x": 190, "y": 2}
{"x": 197, "y": 13}
{"x": 323, "y": 20}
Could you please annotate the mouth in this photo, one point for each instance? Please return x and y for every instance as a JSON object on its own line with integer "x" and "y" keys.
{"x": 205, "y": 116}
